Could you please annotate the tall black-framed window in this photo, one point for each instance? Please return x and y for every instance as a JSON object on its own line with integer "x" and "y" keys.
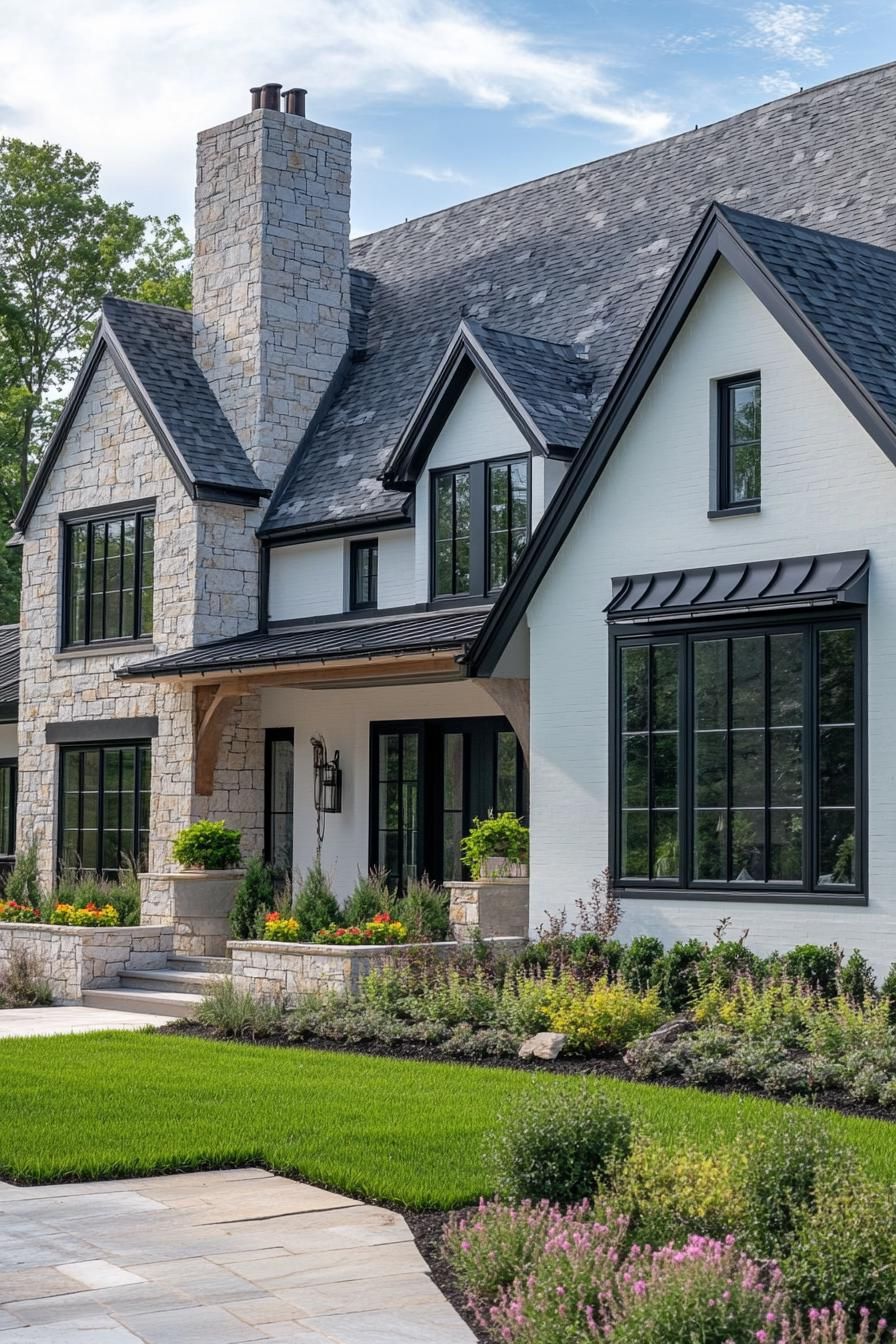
{"x": 108, "y": 578}
{"x": 363, "y": 567}
{"x": 740, "y": 441}
{"x": 480, "y": 526}
{"x": 9, "y": 792}
{"x": 279, "y": 780}
{"x": 104, "y": 807}
{"x": 739, "y": 759}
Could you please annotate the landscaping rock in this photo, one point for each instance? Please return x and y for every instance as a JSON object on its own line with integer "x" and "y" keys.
{"x": 544, "y": 1045}
{"x": 669, "y": 1032}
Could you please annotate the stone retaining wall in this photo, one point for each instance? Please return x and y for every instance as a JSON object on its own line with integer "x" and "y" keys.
{"x": 196, "y": 904}
{"x": 286, "y": 971}
{"x": 497, "y": 907}
{"x": 74, "y": 959}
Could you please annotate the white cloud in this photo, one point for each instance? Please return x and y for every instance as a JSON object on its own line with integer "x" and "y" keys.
{"x": 437, "y": 174}
{"x": 788, "y": 31}
{"x": 778, "y": 84}
{"x": 130, "y": 81}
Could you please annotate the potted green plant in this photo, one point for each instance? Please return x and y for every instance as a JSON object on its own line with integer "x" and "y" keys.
{"x": 497, "y": 847}
{"x": 208, "y": 846}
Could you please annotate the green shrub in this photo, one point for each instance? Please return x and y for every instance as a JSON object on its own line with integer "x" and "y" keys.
{"x": 603, "y": 1016}
{"x": 82, "y": 889}
{"x": 558, "y": 1144}
{"x": 208, "y": 845}
{"x": 787, "y": 1167}
{"x": 455, "y": 999}
{"x": 676, "y": 976}
{"x": 857, "y": 980}
{"x": 815, "y": 966}
{"x": 670, "y": 1194}
{"x": 423, "y": 910}
{"x": 502, "y": 836}
{"x": 24, "y": 885}
{"x": 255, "y": 896}
{"x": 315, "y": 906}
{"x": 125, "y": 896}
{"x": 370, "y": 896}
{"x": 231, "y": 1013}
{"x": 640, "y": 962}
{"x": 21, "y": 983}
{"x": 727, "y": 961}
{"x": 844, "y": 1248}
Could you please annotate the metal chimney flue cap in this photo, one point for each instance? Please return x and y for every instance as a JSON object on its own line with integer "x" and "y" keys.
{"x": 256, "y": 97}
{"x": 294, "y": 102}
{"x": 270, "y": 96}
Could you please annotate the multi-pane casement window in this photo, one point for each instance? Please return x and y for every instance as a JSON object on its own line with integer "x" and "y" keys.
{"x": 739, "y": 759}
{"x": 108, "y": 578}
{"x": 104, "y": 822}
{"x": 740, "y": 442}
{"x": 480, "y": 525}
{"x": 363, "y": 567}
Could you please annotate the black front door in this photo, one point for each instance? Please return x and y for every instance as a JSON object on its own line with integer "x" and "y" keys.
{"x": 429, "y": 779}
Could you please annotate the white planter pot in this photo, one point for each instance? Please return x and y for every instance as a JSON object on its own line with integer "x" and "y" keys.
{"x": 496, "y": 866}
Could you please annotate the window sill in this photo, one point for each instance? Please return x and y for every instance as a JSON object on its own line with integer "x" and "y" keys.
{"x": 735, "y": 511}
{"x": 112, "y": 649}
{"x": 745, "y": 896}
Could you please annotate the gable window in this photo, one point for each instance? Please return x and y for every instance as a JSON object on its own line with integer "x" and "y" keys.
{"x": 108, "y": 585}
{"x": 480, "y": 526}
{"x": 363, "y": 565}
{"x": 740, "y": 441}
{"x": 104, "y": 823}
{"x": 738, "y": 759}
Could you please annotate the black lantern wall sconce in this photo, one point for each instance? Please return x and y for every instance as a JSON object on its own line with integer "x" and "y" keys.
{"x": 327, "y": 778}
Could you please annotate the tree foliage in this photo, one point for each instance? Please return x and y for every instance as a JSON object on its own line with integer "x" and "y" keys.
{"x": 62, "y": 247}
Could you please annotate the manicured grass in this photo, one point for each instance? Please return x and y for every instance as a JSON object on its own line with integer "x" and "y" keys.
{"x": 122, "y": 1104}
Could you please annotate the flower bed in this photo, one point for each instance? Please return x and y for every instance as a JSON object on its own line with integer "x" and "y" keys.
{"x": 380, "y": 930}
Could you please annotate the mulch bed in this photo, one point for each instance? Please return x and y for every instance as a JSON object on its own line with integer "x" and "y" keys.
{"x": 427, "y": 1229}
{"x": 602, "y": 1067}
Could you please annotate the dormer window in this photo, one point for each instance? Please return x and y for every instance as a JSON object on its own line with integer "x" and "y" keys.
{"x": 480, "y": 525}
{"x": 740, "y": 443}
{"x": 364, "y": 563}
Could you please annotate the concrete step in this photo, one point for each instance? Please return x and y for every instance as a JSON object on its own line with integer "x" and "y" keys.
{"x": 214, "y": 965}
{"x": 167, "y": 980}
{"x": 142, "y": 1001}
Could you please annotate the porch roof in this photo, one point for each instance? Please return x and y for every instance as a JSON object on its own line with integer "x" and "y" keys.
{"x": 321, "y": 642}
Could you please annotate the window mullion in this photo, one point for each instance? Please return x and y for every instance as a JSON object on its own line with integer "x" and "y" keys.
{"x": 810, "y": 779}
{"x": 686, "y": 779}
{"x": 767, "y": 749}
{"x": 729, "y": 757}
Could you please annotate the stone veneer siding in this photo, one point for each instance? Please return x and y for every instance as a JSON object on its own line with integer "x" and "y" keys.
{"x": 286, "y": 971}
{"x": 271, "y": 276}
{"x": 497, "y": 908}
{"x": 74, "y": 959}
{"x": 111, "y": 457}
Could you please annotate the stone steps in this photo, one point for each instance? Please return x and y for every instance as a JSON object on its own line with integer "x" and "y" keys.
{"x": 168, "y": 1004}
{"x": 214, "y": 965}
{"x": 169, "y": 979}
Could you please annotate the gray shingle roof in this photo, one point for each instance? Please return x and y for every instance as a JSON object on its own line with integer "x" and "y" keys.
{"x": 9, "y": 665}
{"x": 312, "y": 643}
{"x": 158, "y": 344}
{"x": 581, "y": 257}
{"x": 551, "y": 381}
{"x": 846, "y": 289}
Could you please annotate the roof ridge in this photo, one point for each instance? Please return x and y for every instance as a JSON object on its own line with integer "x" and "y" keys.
{"x": 144, "y": 303}
{"x": 732, "y": 213}
{"x": 802, "y": 93}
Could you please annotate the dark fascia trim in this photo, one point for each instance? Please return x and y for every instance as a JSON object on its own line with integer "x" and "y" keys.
{"x": 104, "y": 339}
{"x": 716, "y": 237}
{"x": 102, "y": 730}
{"x": 334, "y": 387}
{"x": 226, "y": 494}
{"x": 346, "y": 527}
{"x": 147, "y": 672}
{"x": 464, "y": 354}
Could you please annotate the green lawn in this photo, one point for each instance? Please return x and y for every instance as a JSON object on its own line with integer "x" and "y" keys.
{"x": 120, "y": 1104}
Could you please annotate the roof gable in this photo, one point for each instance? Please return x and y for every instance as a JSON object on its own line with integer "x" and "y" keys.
{"x": 542, "y": 385}
{"x": 151, "y": 349}
{"x": 826, "y": 293}
{"x": 579, "y": 258}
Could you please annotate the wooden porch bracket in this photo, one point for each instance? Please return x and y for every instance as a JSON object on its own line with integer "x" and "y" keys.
{"x": 511, "y": 695}
{"x": 214, "y": 705}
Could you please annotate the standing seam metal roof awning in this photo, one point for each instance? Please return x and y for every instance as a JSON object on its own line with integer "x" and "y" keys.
{"x": 760, "y": 585}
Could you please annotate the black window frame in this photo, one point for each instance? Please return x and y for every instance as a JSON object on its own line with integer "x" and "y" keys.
{"x": 271, "y": 737}
{"x": 371, "y": 601}
{"x": 142, "y": 748}
{"x": 140, "y": 516}
{"x": 8, "y": 824}
{"x": 479, "y": 472}
{"x": 685, "y": 886}
{"x": 726, "y": 503}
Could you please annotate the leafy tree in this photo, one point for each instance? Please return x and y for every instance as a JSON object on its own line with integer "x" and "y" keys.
{"x": 62, "y": 247}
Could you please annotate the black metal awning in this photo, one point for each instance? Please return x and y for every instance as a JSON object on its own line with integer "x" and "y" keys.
{"x": 757, "y": 585}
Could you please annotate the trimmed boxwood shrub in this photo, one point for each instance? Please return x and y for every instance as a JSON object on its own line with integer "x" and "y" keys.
{"x": 208, "y": 845}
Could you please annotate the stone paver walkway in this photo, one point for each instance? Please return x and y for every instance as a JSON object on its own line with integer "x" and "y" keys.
{"x": 63, "y": 1021}
{"x": 215, "y": 1257}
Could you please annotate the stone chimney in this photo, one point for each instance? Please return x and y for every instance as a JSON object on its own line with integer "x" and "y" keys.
{"x": 270, "y": 274}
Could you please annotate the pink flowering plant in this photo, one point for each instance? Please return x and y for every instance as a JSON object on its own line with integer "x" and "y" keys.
{"x": 833, "y": 1326}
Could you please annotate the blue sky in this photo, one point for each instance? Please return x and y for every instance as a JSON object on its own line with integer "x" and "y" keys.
{"x": 446, "y": 99}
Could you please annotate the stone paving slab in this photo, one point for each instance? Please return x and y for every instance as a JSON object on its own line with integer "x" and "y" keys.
{"x": 65, "y": 1021}
{"x": 215, "y": 1257}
